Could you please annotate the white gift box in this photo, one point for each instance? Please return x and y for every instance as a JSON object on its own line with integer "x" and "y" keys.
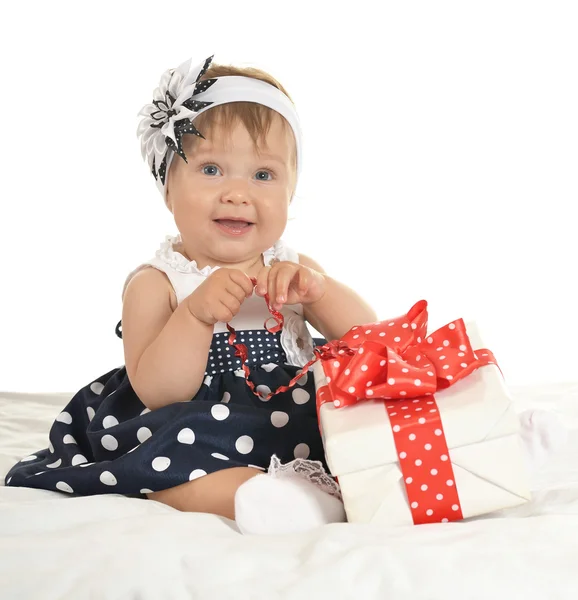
{"x": 482, "y": 434}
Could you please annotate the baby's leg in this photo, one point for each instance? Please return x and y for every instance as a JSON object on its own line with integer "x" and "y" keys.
{"x": 213, "y": 493}
{"x": 264, "y": 503}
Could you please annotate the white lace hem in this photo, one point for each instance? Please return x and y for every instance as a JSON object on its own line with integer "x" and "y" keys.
{"x": 311, "y": 470}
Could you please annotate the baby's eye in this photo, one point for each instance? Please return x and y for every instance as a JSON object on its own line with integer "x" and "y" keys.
{"x": 263, "y": 178}
{"x": 206, "y": 172}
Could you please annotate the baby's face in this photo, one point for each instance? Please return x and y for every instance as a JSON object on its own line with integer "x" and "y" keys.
{"x": 226, "y": 178}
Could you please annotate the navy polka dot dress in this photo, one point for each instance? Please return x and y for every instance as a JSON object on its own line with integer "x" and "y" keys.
{"x": 106, "y": 441}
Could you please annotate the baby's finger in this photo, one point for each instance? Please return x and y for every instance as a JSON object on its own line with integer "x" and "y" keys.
{"x": 303, "y": 280}
{"x": 283, "y": 278}
{"x": 227, "y": 308}
{"x": 242, "y": 279}
{"x": 262, "y": 278}
{"x": 237, "y": 291}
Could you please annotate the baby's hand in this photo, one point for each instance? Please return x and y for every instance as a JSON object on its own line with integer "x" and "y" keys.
{"x": 290, "y": 283}
{"x": 220, "y": 296}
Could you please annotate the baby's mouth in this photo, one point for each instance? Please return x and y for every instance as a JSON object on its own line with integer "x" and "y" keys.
{"x": 233, "y": 224}
{"x": 234, "y": 227}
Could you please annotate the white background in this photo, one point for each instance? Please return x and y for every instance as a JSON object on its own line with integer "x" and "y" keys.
{"x": 440, "y": 159}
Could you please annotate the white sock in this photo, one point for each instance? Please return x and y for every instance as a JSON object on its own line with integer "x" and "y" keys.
{"x": 543, "y": 434}
{"x": 266, "y": 504}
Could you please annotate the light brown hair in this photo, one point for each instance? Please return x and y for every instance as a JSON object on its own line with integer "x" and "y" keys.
{"x": 256, "y": 118}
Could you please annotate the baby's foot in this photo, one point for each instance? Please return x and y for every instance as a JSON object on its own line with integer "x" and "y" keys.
{"x": 275, "y": 505}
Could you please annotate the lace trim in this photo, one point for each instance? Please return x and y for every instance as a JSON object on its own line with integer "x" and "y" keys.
{"x": 182, "y": 264}
{"x": 311, "y": 470}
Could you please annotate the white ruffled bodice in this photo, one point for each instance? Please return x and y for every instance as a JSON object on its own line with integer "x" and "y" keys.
{"x": 177, "y": 261}
{"x": 185, "y": 276}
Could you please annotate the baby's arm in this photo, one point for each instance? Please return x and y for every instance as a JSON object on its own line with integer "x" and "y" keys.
{"x": 338, "y": 310}
{"x": 165, "y": 346}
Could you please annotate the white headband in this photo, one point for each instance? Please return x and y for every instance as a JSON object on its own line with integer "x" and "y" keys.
{"x": 181, "y": 97}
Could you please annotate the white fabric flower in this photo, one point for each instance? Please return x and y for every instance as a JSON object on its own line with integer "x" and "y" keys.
{"x": 296, "y": 339}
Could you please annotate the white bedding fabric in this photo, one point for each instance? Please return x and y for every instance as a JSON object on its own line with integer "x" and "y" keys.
{"x": 55, "y": 546}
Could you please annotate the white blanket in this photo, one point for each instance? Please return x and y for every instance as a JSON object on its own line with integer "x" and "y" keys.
{"x": 55, "y": 546}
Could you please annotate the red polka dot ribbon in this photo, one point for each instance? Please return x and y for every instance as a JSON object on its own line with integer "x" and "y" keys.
{"x": 242, "y": 352}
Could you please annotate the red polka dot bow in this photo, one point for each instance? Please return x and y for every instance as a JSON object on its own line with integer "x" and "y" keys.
{"x": 396, "y": 359}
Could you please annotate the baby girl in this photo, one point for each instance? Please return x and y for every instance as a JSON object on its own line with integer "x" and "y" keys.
{"x": 179, "y": 423}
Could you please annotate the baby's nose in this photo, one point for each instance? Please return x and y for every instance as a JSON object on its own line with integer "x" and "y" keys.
{"x": 236, "y": 192}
